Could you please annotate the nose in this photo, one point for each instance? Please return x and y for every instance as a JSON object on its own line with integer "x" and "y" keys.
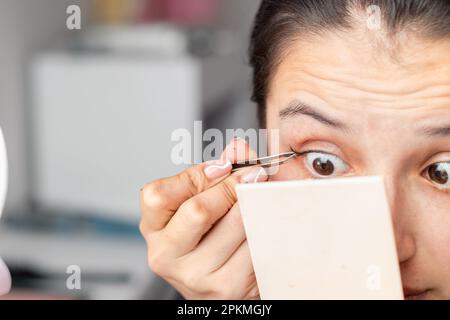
{"x": 402, "y": 212}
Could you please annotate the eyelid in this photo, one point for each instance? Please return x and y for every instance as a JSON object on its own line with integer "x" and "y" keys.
{"x": 317, "y": 145}
{"x": 435, "y": 160}
{"x": 316, "y": 151}
{"x": 305, "y": 151}
{"x": 439, "y": 161}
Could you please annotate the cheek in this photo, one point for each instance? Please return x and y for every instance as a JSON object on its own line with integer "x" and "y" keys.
{"x": 435, "y": 232}
{"x": 440, "y": 242}
{"x": 288, "y": 171}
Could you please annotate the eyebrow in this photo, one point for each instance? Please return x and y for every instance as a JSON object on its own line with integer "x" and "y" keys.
{"x": 297, "y": 108}
{"x": 443, "y": 131}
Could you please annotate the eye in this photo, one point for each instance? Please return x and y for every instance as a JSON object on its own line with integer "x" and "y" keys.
{"x": 325, "y": 165}
{"x": 439, "y": 173}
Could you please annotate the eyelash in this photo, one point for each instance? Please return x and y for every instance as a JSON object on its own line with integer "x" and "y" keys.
{"x": 304, "y": 153}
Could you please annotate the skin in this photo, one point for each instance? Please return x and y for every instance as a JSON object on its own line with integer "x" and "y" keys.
{"x": 377, "y": 111}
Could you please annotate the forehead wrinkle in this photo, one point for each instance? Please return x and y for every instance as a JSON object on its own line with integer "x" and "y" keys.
{"x": 403, "y": 85}
{"x": 351, "y": 66}
{"x": 431, "y": 100}
{"x": 428, "y": 94}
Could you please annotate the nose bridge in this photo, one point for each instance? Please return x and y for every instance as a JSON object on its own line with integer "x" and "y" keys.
{"x": 383, "y": 159}
{"x": 394, "y": 197}
{"x": 402, "y": 213}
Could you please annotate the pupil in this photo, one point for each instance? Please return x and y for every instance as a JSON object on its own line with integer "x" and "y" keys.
{"x": 323, "y": 168}
{"x": 437, "y": 174}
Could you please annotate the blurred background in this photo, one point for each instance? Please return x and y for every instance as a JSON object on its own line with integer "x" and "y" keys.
{"x": 87, "y": 116}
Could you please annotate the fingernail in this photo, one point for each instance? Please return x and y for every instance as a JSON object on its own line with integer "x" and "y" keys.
{"x": 217, "y": 168}
{"x": 254, "y": 175}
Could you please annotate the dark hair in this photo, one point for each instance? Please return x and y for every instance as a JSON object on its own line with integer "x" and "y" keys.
{"x": 280, "y": 21}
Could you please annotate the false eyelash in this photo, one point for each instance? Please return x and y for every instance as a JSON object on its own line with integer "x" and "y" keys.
{"x": 292, "y": 149}
{"x": 310, "y": 151}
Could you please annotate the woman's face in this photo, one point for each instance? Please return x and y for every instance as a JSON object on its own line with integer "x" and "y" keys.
{"x": 363, "y": 108}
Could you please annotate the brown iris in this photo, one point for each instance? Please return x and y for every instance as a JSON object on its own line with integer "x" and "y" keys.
{"x": 438, "y": 173}
{"x": 324, "y": 168}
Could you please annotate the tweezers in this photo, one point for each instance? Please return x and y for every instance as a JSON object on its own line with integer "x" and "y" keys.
{"x": 265, "y": 162}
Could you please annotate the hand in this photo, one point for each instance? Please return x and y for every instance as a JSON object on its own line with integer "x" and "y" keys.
{"x": 194, "y": 231}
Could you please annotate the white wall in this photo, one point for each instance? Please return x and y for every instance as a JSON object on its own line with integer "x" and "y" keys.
{"x": 238, "y": 16}
{"x": 25, "y": 26}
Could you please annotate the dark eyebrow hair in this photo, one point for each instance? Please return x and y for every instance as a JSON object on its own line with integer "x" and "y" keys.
{"x": 296, "y": 108}
{"x": 443, "y": 131}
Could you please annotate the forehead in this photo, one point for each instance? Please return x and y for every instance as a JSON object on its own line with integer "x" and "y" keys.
{"x": 404, "y": 77}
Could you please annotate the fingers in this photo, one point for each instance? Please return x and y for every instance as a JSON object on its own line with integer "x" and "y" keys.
{"x": 238, "y": 150}
{"x": 234, "y": 280}
{"x": 238, "y": 274}
{"x": 160, "y": 199}
{"x": 241, "y": 260}
{"x": 197, "y": 215}
{"x": 220, "y": 244}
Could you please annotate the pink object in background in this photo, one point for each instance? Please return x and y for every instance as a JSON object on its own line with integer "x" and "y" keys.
{"x": 150, "y": 11}
{"x": 5, "y": 279}
{"x": 185, "y": 12}
{"x": 193, "y": 12}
